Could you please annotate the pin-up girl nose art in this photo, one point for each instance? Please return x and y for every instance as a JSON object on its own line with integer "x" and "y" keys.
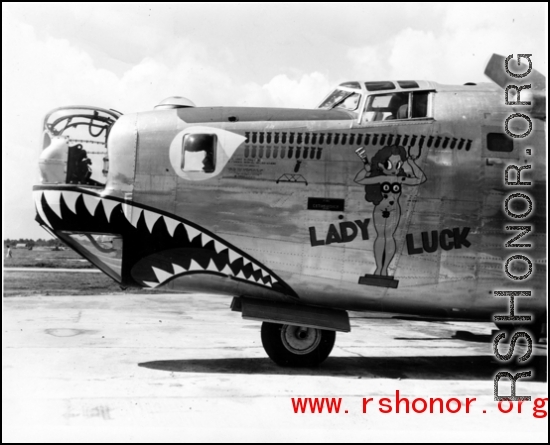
{"x": 383, "y": 178}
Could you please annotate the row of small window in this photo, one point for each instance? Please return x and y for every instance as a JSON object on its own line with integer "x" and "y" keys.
{"x": 411, "y": 141}
{"x": 311, "y": 138}
{"x": 351, "y": 139}
{"x": 446, "y": 142}
{"x": 256, "y": 137}
{"x": 275, "y": 152}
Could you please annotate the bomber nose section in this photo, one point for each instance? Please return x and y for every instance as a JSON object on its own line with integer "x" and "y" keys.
{"x": 73, "y": 167}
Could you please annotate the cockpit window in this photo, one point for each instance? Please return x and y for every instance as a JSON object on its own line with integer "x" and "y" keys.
{"x": 378, "y": 86}
{"x": 397, "y": 106}
{"x": 346, "y": 100}
{"x": 407, "y": 83}
{"x": 354, "y": 85}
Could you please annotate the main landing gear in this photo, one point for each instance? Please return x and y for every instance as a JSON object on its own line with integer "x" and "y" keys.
{"x": 297, "y": 346}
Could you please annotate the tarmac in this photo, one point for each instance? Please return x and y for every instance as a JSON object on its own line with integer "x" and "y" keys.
{"x": 184, "y": 368}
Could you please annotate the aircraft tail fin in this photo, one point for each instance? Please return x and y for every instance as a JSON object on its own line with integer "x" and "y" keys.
{"x": 495, "y": 70}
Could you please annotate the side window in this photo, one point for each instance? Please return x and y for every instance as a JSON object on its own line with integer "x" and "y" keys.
{"x": 385, "y": 107}
{"x": 397, "y": 106}
{"x": 420, "y": 104}
{"x": 199, "y": 153}
{"x": 499, "y": 142}
{"x": 495, "y": 144}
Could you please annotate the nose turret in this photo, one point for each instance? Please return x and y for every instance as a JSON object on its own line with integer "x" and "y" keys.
{"x": 75, "y": 146}
{"x": 73, "y": 167}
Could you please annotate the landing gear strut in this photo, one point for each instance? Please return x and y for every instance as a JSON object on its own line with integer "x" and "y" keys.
{"x": 296, "y": 346}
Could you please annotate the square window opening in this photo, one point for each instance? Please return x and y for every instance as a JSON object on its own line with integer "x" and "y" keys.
{"x": 199, "y": 153}
{"x": 499, "y": 142}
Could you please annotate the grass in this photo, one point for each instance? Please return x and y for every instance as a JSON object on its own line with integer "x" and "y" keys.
{"x": 67, "y": 259}
{"x": 26, "y": 283}
{"x": 63, "y": 283}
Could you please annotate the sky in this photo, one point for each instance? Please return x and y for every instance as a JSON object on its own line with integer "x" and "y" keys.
{"x": 131, "y": 56}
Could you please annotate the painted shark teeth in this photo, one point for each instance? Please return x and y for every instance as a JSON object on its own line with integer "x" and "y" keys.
{"x": 70, "y": 200}
{"x": 133, "y": 214}
{"x": 195, "y": 266}
{"x": 53, "y": 198}
{"x": 226, "y": 270}
{"x": 178, "y": 269}
{"x": 211, "y": 266}
{"x": 171, "y": 225}
{"x": 240, "y": 275}
{"x": 205, "y": 239}
{"x": 218, "y": 247}
{"x": 150, "y": 219}
{"x": 163, "y": 275}
{"x": 108, "y": 206}
{"x": 91, "y": 203}
{"x": 192, "y": 233}
{"x": 38, "y": 202}
{"x": 233, "y": 256}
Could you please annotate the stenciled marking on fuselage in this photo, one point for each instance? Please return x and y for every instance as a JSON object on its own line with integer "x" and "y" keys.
{"x": 326, "y": 204}
{"x": 346, "y": 232}
{"x": 293, "y": 177}
{"x": 447, "y": 239}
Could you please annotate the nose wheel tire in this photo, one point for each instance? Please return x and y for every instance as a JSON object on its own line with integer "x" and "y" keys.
{"x": 296, "y": 346}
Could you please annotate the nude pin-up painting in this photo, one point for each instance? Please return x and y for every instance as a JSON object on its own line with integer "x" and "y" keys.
{"x": 384, "y": 176}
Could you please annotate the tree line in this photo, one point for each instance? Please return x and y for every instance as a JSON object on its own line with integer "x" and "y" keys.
{"x": 30, "y": 243}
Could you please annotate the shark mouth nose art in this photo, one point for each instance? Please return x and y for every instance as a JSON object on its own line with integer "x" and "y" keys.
{"x": 158, "y": 246}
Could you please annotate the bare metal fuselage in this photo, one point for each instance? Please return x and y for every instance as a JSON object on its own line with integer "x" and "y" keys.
{"x": 449, "y": 237}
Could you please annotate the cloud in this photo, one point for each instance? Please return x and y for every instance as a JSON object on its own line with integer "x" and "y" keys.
{"x": 41, "y": 72}
{"x": 369, "y": 62}
{"x": 69, "y": 75}
{"x": 37, "y": 76}
{"x": 131, "y": 57}
{"x": 406, "y": 61}
{"x": 456, "y": 54}
{"x": 305, "y": 92}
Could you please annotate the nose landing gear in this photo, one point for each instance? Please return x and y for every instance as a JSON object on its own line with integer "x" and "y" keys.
{"x": 297, "y": 346}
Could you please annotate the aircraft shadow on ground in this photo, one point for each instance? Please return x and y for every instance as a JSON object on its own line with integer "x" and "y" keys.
{"x": 459, "y": 335}
{"x": 468, "y": 336}
{"x": 426, "y": 368}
